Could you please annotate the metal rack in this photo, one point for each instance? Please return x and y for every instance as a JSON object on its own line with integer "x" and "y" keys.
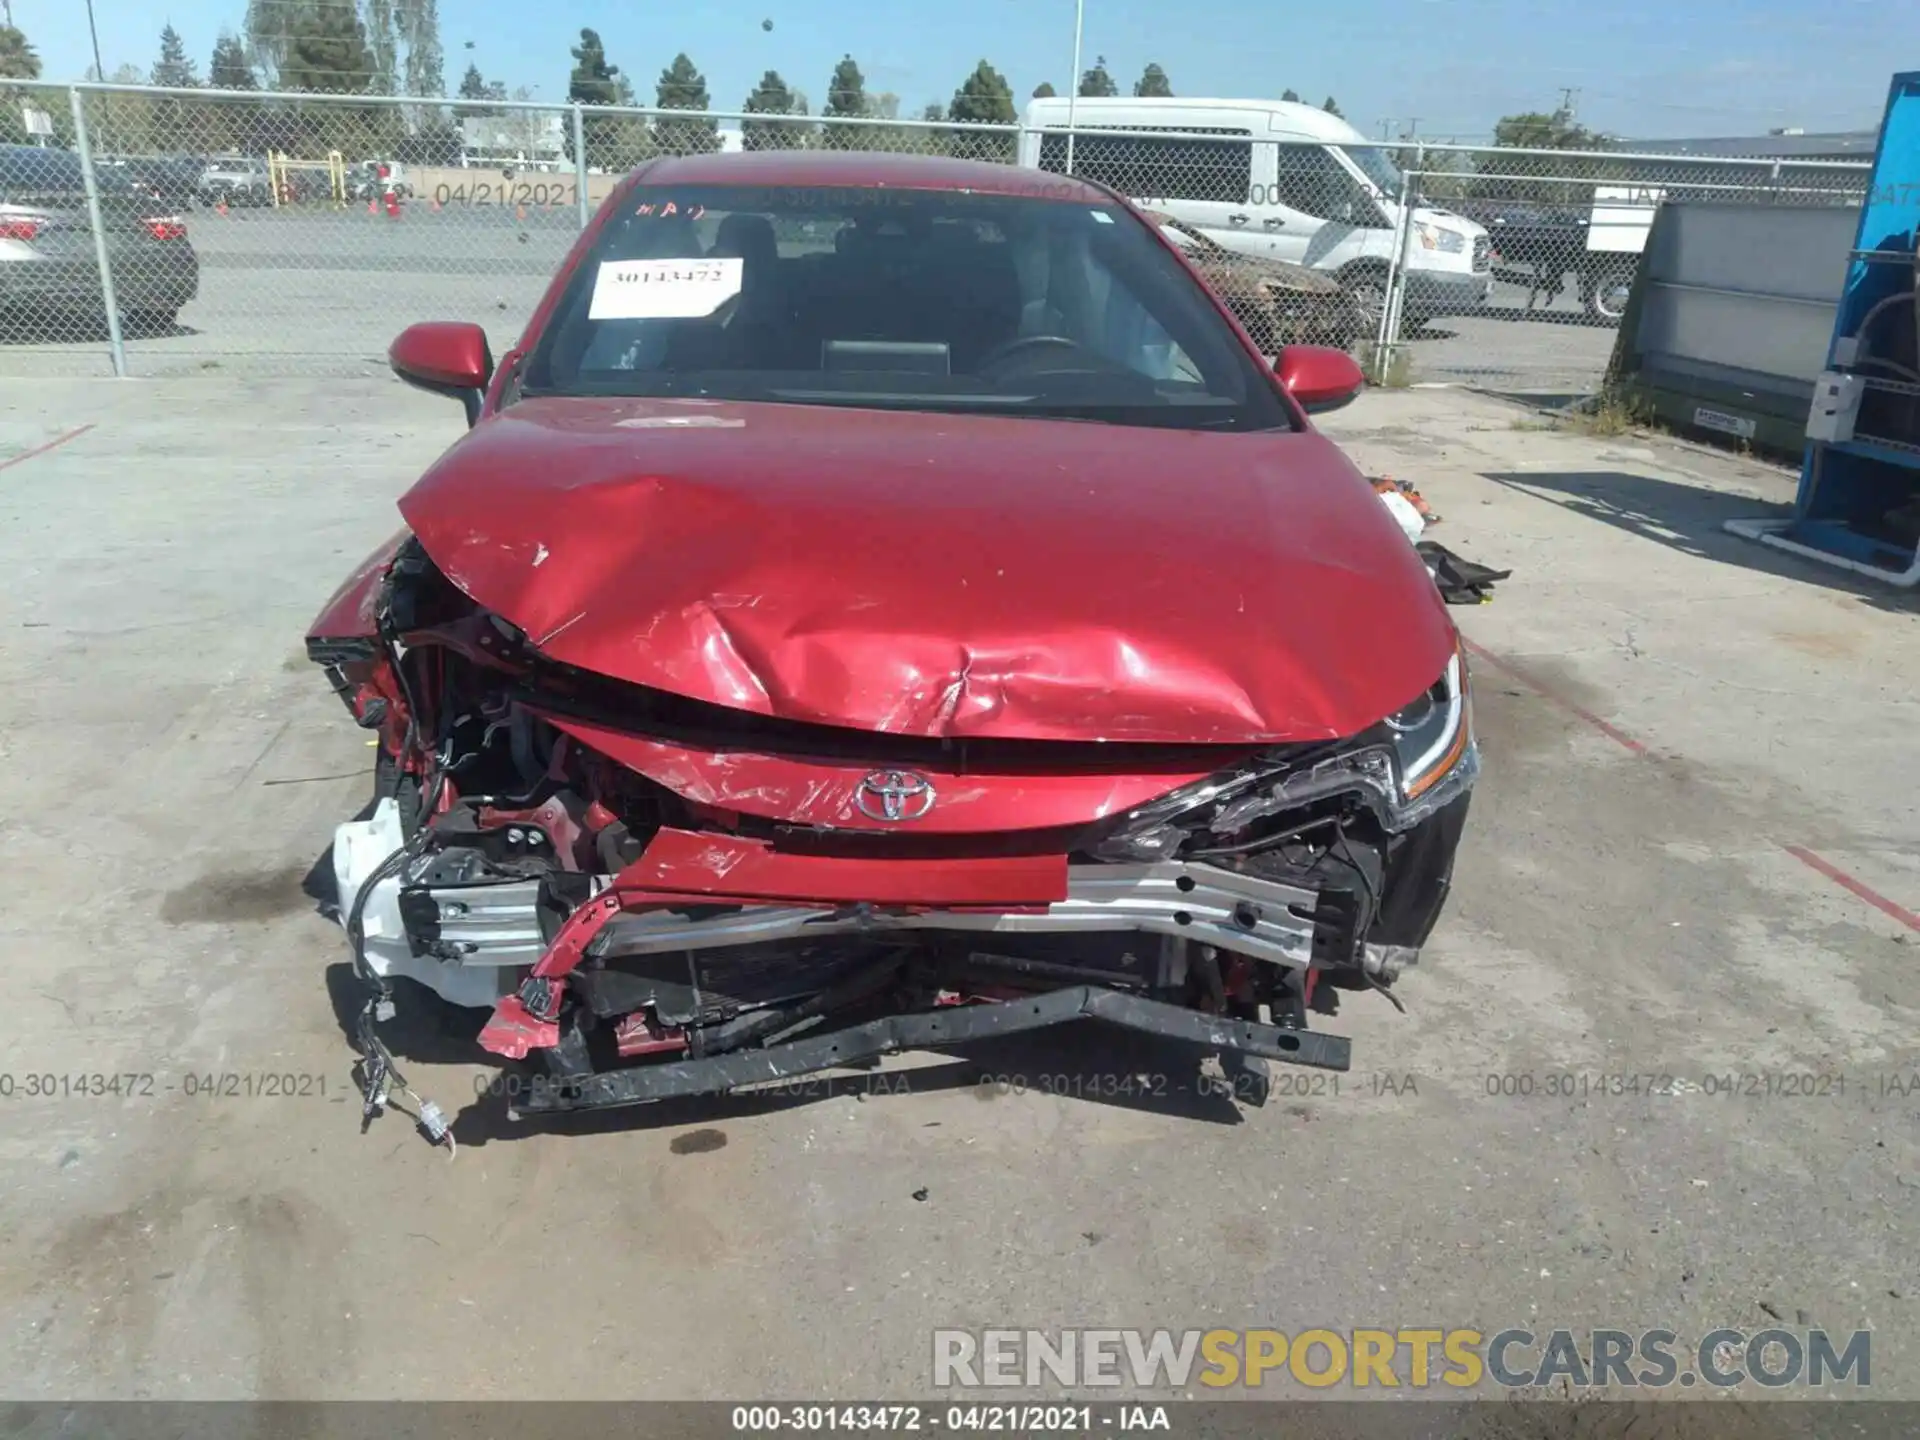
{"x": 1858, "y": 505}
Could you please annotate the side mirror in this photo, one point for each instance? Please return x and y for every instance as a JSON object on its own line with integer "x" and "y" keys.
{"x": 447, "y": 357}
{"x": 1319, "y": 377}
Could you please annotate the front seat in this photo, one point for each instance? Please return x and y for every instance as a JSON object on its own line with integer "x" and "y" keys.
{"x": 760, "y": 331}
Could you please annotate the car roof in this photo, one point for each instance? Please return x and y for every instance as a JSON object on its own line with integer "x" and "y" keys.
{"x": 1284, "y": 117}
{"x": 854, "y": 169}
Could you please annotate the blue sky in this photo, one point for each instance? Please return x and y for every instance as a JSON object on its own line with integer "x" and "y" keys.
{"x": 1643, "y": 68}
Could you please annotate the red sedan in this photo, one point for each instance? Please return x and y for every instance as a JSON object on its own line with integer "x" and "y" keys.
{"x": 883, "y": 602}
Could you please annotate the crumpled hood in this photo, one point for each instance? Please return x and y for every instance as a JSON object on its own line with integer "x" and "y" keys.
{"x": 943, "y": 575}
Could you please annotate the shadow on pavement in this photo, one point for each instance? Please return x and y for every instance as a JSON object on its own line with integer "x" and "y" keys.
{"x": 81, "y": 328}
{"x": 1690, "y": 519}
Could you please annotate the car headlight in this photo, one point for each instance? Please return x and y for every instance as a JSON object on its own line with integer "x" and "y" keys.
{"x": 1438, "y": 237}
{"x": 1431, "y": 735}
{"x": 1413, "y": 763}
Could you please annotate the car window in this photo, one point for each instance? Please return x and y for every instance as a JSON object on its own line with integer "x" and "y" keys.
{"x": 1158, "y": 167}
{"x": 1379, "y": 169}
{"x": 29, "y": 167}
{"x": 938, "y": 300}
{"x": 1313, "y": 182}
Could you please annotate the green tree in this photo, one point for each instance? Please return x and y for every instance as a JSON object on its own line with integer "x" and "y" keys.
{"x": 173, "y": 69}
{"x": 772, "y": 96}
{"x": 1097, "y": 82}
{"x": 1153, "y": 83}
{"x": 682, "y": 87}
{"x": 614, "y": 142}
{"x": 231, "y": 124}
{"x": 593, "y": 81}
{"x": 893, "y": 138}
{"x": 229, "y": 70}
{"x": 1533, "y": 130}
{"x": 1555, "y": 131}
{"x": 1044, "y": 90}
{"x": 177, "y": 124}
{"x": 1332, "y": 107}
{"x": 942, "y": 141}
{"x": 1291, "y": 97}
{"x": 846, "y": 99}
{"x": 327, "y": 50}
{"x": 426, "y": 63}
{"x": 327, "y": 54}
{"x": 984, "y": 98}
{"x": 120, "y": 124}
{"x": 626, "y": 140}
{"x": 268, "y": 27}
{"x": 383, "y": 46}
{"x": 18, "y": 61}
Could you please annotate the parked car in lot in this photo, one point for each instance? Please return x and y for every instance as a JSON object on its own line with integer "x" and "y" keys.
{"x": 236, "y": 181}
{"x": 49, "y": 271}
{"x": 169, "y": 179}
{"x": 1279, "y": 303}
{"x": 810, "y": 653}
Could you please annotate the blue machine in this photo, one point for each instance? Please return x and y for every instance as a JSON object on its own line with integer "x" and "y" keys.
{"x": 1859, "y": 501}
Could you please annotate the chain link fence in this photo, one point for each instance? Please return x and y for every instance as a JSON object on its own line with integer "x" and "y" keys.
{"x": 1564, "y": 234}
{"x": 149, "y": 232}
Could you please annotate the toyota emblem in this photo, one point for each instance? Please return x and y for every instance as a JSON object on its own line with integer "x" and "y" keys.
{"x": 894, "y": 795}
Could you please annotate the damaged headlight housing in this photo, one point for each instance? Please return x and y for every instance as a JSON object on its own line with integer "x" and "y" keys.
{"x": 1413, "y": 763}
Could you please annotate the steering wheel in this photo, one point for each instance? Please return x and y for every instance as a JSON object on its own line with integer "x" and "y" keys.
{"x": 1021, "y": 344}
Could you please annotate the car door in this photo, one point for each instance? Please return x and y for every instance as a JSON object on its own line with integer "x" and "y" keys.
{"x": 1324, "y": 216}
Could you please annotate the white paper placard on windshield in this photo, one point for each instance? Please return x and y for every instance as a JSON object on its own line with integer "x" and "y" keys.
{"x": 664, "y": 289}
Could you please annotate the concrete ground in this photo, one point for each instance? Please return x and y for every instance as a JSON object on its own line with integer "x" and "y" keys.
{"x": 1693, "y": 856}
{"x": 317, "y": 292}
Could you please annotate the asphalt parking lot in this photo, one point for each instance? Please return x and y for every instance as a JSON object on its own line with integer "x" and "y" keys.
{"x": 320, "y": 292}
{"x": 1692, "y": 857}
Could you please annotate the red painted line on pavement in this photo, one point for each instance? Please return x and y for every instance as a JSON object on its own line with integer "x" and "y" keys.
{"x": 1620, "y": 737}
{"x": 1846, "y": 882}
{"x": 1539, "y": 687}
{"x": 53, "y": 444}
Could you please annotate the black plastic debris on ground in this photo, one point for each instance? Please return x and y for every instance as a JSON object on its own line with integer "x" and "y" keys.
{"x": 1461, "y": 582}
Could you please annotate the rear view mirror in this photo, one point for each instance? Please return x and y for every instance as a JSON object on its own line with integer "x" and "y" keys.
{"x": 1319, "y": 377}
{"x": 446, "y": 357}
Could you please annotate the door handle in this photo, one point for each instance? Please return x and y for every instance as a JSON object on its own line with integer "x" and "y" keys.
{"x": 1273, "y": 222}
{"x": 1238, "y": 219}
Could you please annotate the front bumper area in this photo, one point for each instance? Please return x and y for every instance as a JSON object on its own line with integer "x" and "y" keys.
{"x": 952, "y": 1025}
{"x": 773, "y": 987}
{"x": 1200, "y": 903}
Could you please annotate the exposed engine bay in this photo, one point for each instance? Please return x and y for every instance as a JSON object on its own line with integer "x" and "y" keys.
{"x": 658, "y": 896}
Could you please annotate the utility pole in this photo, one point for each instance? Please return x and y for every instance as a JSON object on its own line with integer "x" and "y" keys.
{"x": 99, "y": 70}
{"x": 1386, "y": 129}
{"x": 1566, "y": 100}
{"x": 1073, "y": 91}
{"x": 1413, "y": 128}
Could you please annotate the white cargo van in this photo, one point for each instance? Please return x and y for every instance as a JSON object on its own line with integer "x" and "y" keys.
{"x": 1270, "y": 177}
